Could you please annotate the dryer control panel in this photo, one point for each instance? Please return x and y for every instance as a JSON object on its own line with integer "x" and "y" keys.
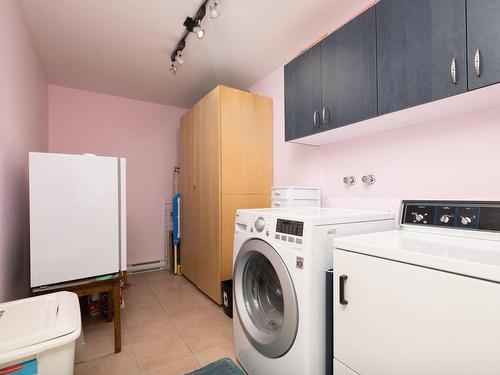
{"x": 452, "y": 214}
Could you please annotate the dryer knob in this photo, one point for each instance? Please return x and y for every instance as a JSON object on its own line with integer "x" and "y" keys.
{"x": 260, "y": 224}
{"x": 465, "y": 220}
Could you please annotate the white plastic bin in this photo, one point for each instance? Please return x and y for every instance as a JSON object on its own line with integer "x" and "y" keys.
{"x": 295, "y": 196}
{"x": 38, "y": 334}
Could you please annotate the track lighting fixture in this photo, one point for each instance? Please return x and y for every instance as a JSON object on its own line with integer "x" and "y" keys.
{"x": 213, "y": 6}
{"x": 193, "y": 25}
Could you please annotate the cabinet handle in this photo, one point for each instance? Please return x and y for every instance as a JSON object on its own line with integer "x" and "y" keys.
{"x": 477, "y": 62}
{"x": 342, "y": 280}
{"x": 453, "y": 70}
{"x": 325, "y": 113}
{"x": 316, "y": 119}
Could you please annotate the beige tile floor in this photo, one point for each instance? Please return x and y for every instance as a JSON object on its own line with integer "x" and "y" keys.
{"x": 169, "y": 327}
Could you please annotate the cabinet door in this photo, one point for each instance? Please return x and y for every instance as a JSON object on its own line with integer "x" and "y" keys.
{"x": 416, "y": 44}
{"x": 349, "y": 73}
{"x": 303, "y": 94}
{"x": 483, "y": 39}
{"x": 404, "y": 319}
{"x": 188, "y": 204}
{"x": 247, "y": 142}
{"x": 208, "y": 195}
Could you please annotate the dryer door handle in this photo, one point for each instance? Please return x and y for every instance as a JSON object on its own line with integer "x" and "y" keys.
{"x": 342, "y": 280}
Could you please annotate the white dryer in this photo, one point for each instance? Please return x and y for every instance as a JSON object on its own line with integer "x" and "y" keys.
{"x": 279, "y": 262}
{"x": 423, "y": 299}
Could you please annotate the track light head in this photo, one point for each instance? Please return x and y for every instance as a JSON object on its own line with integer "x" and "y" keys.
{"x": 213, "y": 7}
{"x": 199, "y": 32}
{"x": 173, "y": 68}
{"x": 178, "y": 58}
{"x": 194, "y": 26}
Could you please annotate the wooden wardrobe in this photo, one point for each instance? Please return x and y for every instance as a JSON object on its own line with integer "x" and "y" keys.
{"x": 226, "y": 161}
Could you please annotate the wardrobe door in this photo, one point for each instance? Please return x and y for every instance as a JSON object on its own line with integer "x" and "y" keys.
{"x": 188, "y": 204}
{"x": 247, "y": 142}
{"x": 208, "y": 195}
{"x": 247, "y": 154}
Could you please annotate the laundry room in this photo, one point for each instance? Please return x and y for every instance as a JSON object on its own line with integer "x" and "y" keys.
{"x": 214, "y": 187}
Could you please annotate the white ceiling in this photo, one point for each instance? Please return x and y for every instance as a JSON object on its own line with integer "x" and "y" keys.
{"x": 122, "y": 47}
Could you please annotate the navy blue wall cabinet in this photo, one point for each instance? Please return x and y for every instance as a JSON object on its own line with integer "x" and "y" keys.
{"x": 418, "y": 42}
{"x": 483, "y": 42}
{"x": 397, "y": 55}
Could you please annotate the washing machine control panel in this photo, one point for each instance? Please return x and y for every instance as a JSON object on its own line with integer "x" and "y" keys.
{"x": 289, "y": 231}
{"x": 456, "y": 214}
{"x": 292, "y": 227}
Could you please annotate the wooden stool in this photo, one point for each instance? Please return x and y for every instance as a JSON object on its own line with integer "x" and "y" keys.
{"x": 87, "y": 287}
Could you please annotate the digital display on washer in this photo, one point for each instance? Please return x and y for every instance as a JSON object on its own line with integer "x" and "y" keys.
{"x": 294, "y": 228}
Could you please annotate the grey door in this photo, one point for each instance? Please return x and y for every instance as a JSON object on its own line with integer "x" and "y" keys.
{"x": 265, "y": 299}
{"x": 483, "y": 41}
{"x": 416, "y": 44}
{"x": 303, "y": 94}
{"x": 349, "y": 73}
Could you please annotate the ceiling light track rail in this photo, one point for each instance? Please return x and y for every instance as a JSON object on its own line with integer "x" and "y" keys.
{"x": 193, "y": 25}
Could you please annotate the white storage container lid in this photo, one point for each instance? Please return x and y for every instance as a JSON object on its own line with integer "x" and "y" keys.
{"x": 37, "y": 320}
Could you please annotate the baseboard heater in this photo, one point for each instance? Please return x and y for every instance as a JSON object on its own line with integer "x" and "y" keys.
{"x": 147, "y": 266}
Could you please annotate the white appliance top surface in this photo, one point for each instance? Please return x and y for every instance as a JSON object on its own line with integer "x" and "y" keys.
{"x": 321, "y": 215}
{"x": 467, "y": 256}
{"x": 34, "y": 320}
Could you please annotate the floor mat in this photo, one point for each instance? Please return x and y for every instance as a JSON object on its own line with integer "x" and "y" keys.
{"x": 224, "y": 366}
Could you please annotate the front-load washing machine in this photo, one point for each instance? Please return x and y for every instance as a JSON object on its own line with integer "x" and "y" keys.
{"x": 279, "y": 262}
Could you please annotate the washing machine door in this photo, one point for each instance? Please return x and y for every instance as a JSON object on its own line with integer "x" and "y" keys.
{"x": 265, "y": 298}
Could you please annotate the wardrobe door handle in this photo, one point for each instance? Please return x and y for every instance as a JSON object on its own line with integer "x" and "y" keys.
{"x": 453, "y": 70}
{"x": 477, "y": 62}
{"x": 342, "y": 280}
{"x": 325, "y": 113}
{"x": 316, "y": 119}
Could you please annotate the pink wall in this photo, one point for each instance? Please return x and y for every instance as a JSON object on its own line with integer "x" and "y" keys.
{"x": 23, "y": 124}
{"x": 144, "y": 133}
{"x": 454, "y": 158}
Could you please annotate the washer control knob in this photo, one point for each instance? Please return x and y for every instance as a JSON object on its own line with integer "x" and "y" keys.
{"x": 260, "y": 224}
{"x": 465, "y": 220}
{"x": 445, "y": 219}
{"x": 418, "y": 217}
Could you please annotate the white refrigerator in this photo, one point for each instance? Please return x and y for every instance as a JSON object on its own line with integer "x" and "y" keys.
{"x": 78, "y": 226}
